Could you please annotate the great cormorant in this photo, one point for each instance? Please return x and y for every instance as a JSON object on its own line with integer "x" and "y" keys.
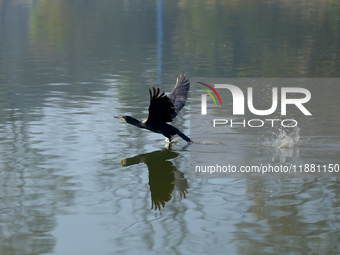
{"x": 164, "y": 109}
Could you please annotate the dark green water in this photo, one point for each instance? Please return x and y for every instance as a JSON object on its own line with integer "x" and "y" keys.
{"x": 68, "y": 67}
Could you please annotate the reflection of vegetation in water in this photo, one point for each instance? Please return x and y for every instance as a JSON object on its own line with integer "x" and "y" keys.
{"x": 209, "y": 38}
{"x": 283, "y": 211}
{"x": 163, "y": 176}
{"x": 261, "y": 38}
{"x": 50, "y": 23}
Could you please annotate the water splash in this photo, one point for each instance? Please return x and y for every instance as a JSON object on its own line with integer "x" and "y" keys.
{"x": 284, "y": 140}
{"x": 175, "y": 140}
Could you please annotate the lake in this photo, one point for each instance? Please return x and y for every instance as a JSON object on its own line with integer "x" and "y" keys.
{"x": 74, "y": 180}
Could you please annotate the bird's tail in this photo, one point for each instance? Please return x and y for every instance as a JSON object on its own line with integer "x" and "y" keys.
{"x": 183, "y": 136}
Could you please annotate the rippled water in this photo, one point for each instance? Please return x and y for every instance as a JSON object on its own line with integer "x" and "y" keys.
{"x": 73, "y": 180}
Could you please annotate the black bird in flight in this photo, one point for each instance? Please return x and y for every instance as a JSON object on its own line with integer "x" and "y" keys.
{"x": 164, "y": 109}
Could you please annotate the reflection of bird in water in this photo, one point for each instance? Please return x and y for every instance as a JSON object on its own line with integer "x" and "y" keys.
{"x": 164, "y": 109}
{"x": 163, "y": 176}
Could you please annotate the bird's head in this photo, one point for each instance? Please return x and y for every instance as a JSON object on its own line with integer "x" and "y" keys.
{"x": 130, "y": 120}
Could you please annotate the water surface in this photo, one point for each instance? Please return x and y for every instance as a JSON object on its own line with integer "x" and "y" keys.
{"x": 73, "y": 180}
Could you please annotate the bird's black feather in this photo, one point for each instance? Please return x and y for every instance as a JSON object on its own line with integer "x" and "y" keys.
{"x": 165, "y": 108}
{"x": 161, "y": 108}
{"x": 179, "y": 94}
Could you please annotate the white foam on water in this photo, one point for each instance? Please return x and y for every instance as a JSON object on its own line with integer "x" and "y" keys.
{"x": 284, "y": 140}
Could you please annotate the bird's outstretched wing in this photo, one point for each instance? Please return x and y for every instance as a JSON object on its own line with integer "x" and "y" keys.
{"x": 161, "y": 108}
{"x": 179, "y": 94}
{"x": 165, "y": 108}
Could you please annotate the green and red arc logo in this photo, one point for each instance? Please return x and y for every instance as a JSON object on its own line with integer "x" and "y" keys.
{"x": 209, "y": 93}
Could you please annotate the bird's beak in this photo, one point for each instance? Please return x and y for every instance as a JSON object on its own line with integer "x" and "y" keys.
{"x": 123, "y": 162}
{"x": 118, "y": 117}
